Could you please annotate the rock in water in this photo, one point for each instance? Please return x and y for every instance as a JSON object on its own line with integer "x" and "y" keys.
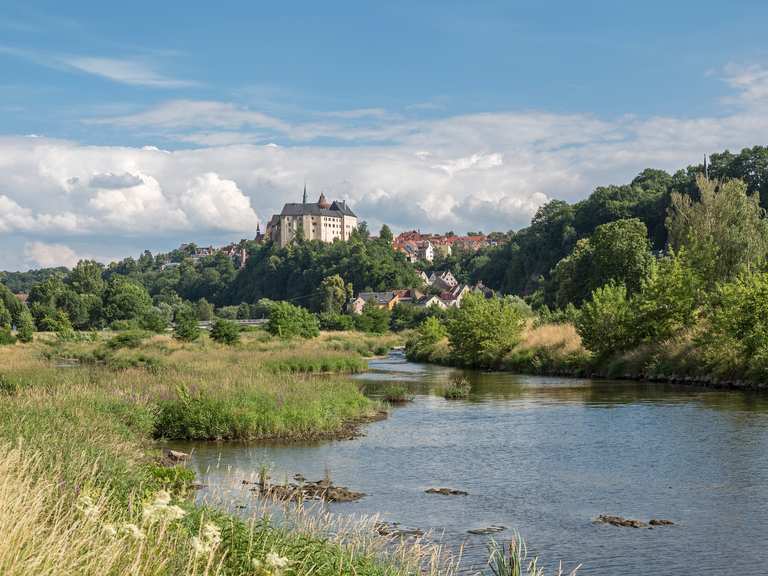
{"x": 492, "y": 529}
{"x": 660, "y": 522}
{"x": 619, "y": 521}
{"x": 176, "y": 456}
{"x": 446, "y": 492}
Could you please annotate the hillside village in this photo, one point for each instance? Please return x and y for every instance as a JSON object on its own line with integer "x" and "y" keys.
{"x": 329, "y": 221}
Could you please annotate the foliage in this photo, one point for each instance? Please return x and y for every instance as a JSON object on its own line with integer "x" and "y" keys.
{"x": 373, "y": 319}
{"x": 204, "y": 310}
{"x": 458, "y": 389}
{"x": 737, "y": 321}
{"x": 669, "y": 300}
{"x": 333, "y": 294}
{"x": 125, "y": 299}
{"x": 186, "y": 327}
{"x": 6, "y": 337}
{"x": 335, "y": 321}
{"x": 155, "y": 319}
{"x": 421, "y": 343}
{"x": 724, "y": 230}
{"x": 26, "y": 327}
{"x": 289, "y": 321}
{"x": 616, "y": 252}
{"x": 225, "y": 332}
{"x": 22, "y": 282}
{"x": 484, "y": 330}
{"x": 396, "y": 393}
{"x": 605, "y": 323}
{"x": 5, "y": 316}
{"x": 129, "y": 339}
{"x": 296, "y": 272}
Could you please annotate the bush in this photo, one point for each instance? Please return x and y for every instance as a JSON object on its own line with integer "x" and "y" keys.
{"x": 129, "y": 339}
{"x": 737, "y": 321}
{"x": 187, "y": 328}
{"x": 605, "y": 321}
{"x": 25, "y": 331}
{"x": 421, "y": 343}
{"x": 289, "y": 321}
{"x": 484, "y": 330}
{"x": 373, "y": 320}
{"x": 332, "y": 321}
{"x": 6, "y": 337}
{"x": 225, "y": 332}
{"x": 154, "y": 320}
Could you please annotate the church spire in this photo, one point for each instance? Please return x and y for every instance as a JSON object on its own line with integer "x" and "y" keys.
{"x": 305, "y": 193}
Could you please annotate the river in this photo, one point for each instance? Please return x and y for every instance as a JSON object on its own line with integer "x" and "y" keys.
{"x": 545, "y": 456}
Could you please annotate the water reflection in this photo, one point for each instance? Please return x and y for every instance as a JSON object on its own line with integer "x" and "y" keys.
{"x": 545, "y": 456}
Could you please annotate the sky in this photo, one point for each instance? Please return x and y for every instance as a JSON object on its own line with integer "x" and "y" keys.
{"x": 142, "y": 125}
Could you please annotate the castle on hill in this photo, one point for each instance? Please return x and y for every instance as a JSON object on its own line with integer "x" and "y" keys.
{"x": 322, "y": 220}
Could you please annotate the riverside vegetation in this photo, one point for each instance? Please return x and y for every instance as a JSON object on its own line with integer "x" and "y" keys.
{"x": 85, "y": 488}
{"x": 698, "y": 312}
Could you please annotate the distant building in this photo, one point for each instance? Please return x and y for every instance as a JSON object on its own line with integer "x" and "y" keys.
{"x": 429, "y": 301}
{"x": 322, "y": 220}
{"x": 388, "y": 299}
{"x": 443, "y": 280}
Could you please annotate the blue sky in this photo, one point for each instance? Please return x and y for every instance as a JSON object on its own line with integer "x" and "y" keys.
{"x": 141, "y": 125}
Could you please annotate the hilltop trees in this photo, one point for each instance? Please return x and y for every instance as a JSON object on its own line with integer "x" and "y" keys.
{"x": 297, "y": 271}
{"x": 617, "y": 251}
{"x": 724, "y": 230}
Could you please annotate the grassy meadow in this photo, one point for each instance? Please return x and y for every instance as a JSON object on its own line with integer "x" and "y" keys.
{"x": 84, "y": 488}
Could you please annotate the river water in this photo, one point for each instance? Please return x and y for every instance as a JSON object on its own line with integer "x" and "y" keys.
{"x": 545, "y": 456}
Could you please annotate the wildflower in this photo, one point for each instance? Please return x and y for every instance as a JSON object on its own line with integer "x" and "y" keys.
{"x": 163, "y": 498}
{"x": 199, "y": 546}
{"x": 276, "y": 561}
{"x": 212, "y": 533}
{"x": 208, "y": 540}
{"x": 133, "y": 531}
{"x": 88, "y": 507}
{"x": 161, "y": 509}
{"x": 175, "y": 513}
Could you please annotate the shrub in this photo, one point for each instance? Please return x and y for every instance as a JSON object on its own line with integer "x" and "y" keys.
{"x": 737, "y": 320}
{"x": 124, "y": 325}
{"x": 225, "y": 332}
{"x": 129, "y": 339}
{"x": 421, "y": 343}
{"x": 186, "y": 328}
{"x": 154, "y": 320}
{"x": 605, "y": 321}
{"x": 6, "y": 337}
{"x": 25, "y": 330}
{"x": 5, "y": 316}
{"x": 333, "y": 321}
{"x": 669, "y": 300}
{"x": 289, "y": 321}
{"x": 483, "y": 331}
{"x": 374, "y": 320}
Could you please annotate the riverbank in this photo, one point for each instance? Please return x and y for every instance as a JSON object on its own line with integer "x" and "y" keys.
{"x": 556, "y": 350}
{"x": 84, "y": 487}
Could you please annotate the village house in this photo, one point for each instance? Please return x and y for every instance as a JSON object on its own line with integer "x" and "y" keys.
{"x": 429, "y": 301}
{"x": 443, "y": 280}
{"x": 412, "y": 241}
{"x": 322, "y": 220}
{"x": 388, "y": 299}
